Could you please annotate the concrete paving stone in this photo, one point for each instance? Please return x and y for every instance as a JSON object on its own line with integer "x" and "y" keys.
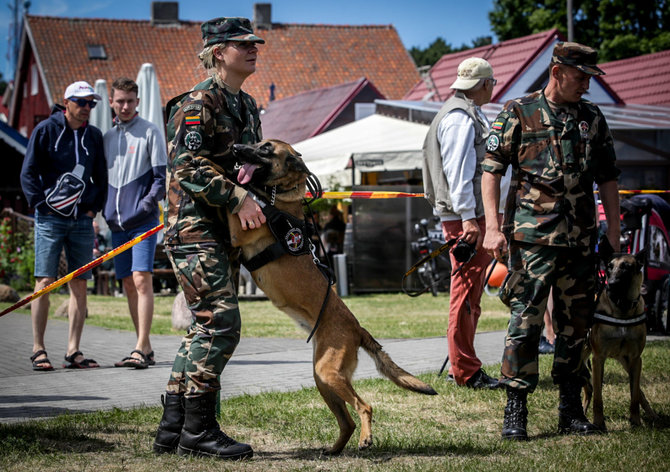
{"x": 259, "y": 365}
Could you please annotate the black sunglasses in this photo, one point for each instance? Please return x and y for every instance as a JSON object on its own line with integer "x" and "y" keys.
{"x": 82, "y": 102}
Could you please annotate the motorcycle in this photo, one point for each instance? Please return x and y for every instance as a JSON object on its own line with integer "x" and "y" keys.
{"x": 435, "y": 274}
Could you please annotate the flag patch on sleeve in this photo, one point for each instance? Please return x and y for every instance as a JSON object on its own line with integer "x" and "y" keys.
{"x": 497, "y": 125}
{"x": 192, "y": 120}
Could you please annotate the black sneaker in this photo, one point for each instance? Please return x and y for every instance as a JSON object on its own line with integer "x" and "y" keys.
{"x": 481, "y": 380}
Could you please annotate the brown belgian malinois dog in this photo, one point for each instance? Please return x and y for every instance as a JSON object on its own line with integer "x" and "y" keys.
{"x": 619, "y": 332}
{"x": 296, "y": 286}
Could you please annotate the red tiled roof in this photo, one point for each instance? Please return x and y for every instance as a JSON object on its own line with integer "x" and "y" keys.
{"x": 508, "y": 58}
{"x": 643, "y": 80}
{"x": 315, "y": 111}
{"x": 295, "y": 57}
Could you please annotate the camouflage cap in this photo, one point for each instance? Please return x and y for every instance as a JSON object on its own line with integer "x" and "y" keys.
{"x": 224, "y": 29}
{"x": 577, "y": 55}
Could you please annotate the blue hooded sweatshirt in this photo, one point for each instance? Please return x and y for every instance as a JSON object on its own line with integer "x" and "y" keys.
{"x": 53, "y": 149}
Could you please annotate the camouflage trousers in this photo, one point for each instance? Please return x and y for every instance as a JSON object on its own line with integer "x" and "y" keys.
{"x": 534, "y": 270}
{"x": 208, "y": 275}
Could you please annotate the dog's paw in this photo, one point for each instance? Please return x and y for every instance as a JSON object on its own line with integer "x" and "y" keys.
{"x": 365, "y": 443}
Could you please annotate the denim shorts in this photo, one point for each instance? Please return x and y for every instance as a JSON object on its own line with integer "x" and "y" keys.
{"x": 140, "y": 257}
{"x": 53, "y": 233}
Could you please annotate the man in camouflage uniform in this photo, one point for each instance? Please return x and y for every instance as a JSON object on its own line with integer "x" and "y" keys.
{"x": 558, "y": 145}
{"x": 203, "y": 126}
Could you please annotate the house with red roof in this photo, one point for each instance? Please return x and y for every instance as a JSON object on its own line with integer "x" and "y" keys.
{"x": 316, "y": 111}
{"x": 643, "y": 80}
{"x": 296, "y": 58}
{"x": 521, "y": 66}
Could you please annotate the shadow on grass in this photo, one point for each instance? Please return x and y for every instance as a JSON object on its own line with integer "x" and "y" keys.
{"x": 379, "y": 454}
{"x": 41, "y": 439}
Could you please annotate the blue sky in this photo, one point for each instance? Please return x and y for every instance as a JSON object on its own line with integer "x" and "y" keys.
{"x": 418, "y": 22}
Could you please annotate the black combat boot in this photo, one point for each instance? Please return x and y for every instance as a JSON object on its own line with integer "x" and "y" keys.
{"x": 169, "y": 429}
{"x": 516, "y": 415}
{"x": 571, "y": 418}
{"x": 201, "y": 435}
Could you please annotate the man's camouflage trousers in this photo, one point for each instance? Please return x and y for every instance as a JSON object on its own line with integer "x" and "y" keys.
{"x": 208, "y": 275}
{"x": 534, "y": 270}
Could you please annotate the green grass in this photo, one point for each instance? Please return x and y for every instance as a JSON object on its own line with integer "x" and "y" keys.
{"x": 457, "y": 430}
{"x": 389, "y": 315}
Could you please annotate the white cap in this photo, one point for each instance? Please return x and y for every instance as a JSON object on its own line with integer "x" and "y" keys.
{"x": 471, "y": 71}
{"x": 81, "y": 89}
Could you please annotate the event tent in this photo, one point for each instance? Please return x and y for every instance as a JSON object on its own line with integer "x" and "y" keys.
{"x": 373, "y": 140}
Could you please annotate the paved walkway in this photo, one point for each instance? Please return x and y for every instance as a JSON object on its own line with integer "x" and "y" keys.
{"x": 259, "y": 365}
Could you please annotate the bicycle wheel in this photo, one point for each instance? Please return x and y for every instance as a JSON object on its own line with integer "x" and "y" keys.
{"x": 427, "y": 277}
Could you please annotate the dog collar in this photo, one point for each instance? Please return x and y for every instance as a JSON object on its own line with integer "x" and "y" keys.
{"x": 610, "y": 320}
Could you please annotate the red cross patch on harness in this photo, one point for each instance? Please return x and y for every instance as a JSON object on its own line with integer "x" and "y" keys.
{"x": 294, "y": 239}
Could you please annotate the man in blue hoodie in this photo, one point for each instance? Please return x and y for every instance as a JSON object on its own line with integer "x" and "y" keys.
{"x": 136, "y": 159}
{"x": 64, "y": 178}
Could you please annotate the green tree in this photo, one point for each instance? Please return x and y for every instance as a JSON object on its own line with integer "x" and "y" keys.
{"x": 618, "y": 28}
{"x": 439, "y": 47}
{"x": 433, "y": 53}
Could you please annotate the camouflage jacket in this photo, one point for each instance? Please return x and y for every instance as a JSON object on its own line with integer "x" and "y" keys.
{"x": 556, "y": 165}
{"x": 202, "y": 127}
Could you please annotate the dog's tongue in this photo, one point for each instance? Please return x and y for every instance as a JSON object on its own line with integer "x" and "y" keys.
{"x": 245, "y": 173}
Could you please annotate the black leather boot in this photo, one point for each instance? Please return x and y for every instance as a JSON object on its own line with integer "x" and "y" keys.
{"x": 516, "y": 415}
{"x": 571, "y": 418}
{"x": 201, "y": 435}
{"x": 169, "y": 429}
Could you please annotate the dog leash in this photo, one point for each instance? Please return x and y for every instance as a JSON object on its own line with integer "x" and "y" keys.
{"x": 422, "y": 261}
{"x": 316, "y": 191}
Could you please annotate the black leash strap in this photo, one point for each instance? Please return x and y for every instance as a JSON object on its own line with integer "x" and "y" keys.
{"x": 315, "y": 189}
{"x": 422, "y": 261}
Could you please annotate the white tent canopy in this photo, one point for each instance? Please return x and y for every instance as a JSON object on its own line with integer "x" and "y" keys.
{"x": 329, "y": 154}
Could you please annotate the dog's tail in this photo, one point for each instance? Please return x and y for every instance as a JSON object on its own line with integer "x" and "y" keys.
{"x": 390, "y": 369}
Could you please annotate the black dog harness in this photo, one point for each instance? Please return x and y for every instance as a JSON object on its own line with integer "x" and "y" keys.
{"x": 291, "y": 234}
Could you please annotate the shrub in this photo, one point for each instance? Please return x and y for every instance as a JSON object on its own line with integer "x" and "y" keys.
{"x": 17, "y": 257}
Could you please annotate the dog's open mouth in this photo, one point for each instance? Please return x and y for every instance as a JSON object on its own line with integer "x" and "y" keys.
{"x": 245, "y": 173}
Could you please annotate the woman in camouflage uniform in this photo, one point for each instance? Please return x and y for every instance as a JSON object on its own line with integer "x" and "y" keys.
{"x": 203, "y": 126}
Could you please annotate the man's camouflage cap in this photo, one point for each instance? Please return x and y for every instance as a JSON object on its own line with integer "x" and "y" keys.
{"x": 577, "y": 55}
{"x": 224, "y": 29}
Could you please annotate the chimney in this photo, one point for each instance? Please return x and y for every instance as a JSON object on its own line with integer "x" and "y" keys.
{"x": 164, "y": 13}
{"x": 263, "y": 15}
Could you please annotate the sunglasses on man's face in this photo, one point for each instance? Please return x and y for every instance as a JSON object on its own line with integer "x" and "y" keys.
{"x": 82, "y": 102}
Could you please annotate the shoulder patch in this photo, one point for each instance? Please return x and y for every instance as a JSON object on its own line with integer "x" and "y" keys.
{"x": 497, "y": 125}
{"x": 192, "y": 120}
{"x": 193, "y": 140}
{"x": 192, "y": 107}
{"x": 492, "y": 143}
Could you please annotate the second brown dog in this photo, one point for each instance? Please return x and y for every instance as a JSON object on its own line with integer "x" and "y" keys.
{"x": 619, "y": 332}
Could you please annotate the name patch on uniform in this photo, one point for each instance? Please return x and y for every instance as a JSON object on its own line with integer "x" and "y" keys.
{"x": 192, "y": 107}
{"x": 497, "y": 125}
{"x": 192, "y": 121}
{"x": 492, "y": 143}
{"x": 193, "y": 141}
